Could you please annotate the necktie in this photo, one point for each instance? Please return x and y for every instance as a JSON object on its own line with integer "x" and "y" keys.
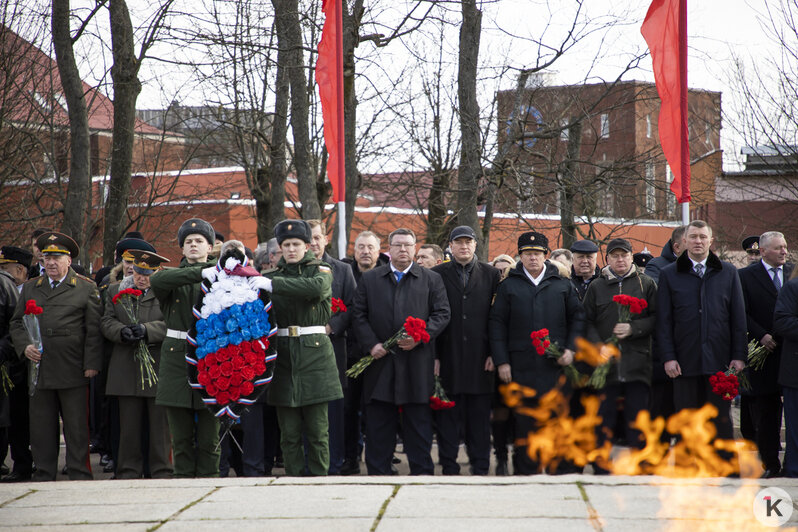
{"x": 54, "y": 283}
{"x": 699, "y": 269}
{"x": 398, "y": 275}
{"x": 776, "y": 279}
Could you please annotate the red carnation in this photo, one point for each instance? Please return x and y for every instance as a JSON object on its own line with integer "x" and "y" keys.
{"x": 236, "y": 379}
{"x": 337, "y": 305}
{"x": 201, "y": 364}
{"x": 211, "y": 389}
{"x": 32, "y": 308}
{"x": 222, "y": 398}
{"x": 251, "y": 358}
{"x": 210, "y": 359}
{"x": 215, "y": 372}
{"x": 203, "y": 378}
{"x": 247, "y": 388}
{"x": 238, "y": 362}
{"x": 227, "y": 368}
{"x": 222, "y": 383}
{"x": 260, "y": 368}
{"x": 235, "y": 393}
{"x": 248, "y": 373}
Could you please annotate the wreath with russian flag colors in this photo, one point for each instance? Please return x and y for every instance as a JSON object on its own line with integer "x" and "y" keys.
{"x": 229, "y": 356}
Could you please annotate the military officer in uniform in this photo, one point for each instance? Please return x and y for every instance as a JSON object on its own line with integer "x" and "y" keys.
{"x": 306, "y": 375}
{"x": 136, "y": 395}
{"x": 71, "y": 355}
{"x": 195, "y": 431}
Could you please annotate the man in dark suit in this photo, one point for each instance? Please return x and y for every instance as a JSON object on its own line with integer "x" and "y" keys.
{"x": 402, "y": 377}
{"x": 700, "y": 324}
{"x": 37, "y": 267}
{"x": 761, "y": 282}
{"x": 343, "y": 288}
{"x": 71, "y": 354}
{"x": 463, "y": 358}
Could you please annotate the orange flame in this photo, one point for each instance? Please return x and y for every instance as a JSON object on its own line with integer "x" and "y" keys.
{"x": 595, "y": 354}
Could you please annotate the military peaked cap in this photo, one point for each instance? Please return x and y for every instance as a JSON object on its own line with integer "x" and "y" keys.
{"x": 533, "y": 241}
{"x": 53, "y": 243}
{"x": 15, "y": 255}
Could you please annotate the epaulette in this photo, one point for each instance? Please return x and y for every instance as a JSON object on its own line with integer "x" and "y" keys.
{"x": 269, "y": 270}
{"x": 39, "y": 280}
{"x": 83, "y": 277}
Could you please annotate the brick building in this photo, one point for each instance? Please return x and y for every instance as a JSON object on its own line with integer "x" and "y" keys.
{"x": 615, "y": 167}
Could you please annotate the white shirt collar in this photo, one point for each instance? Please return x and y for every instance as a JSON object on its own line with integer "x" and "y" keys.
{"x": 535, "y": 280}
{"x": 395, "y": 269}
{"x": 768, "y": 266}
{"x": 61, "y": 280}
{"x": 702, "y": 263}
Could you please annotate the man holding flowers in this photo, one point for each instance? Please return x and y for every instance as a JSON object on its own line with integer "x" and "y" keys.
{"x": 71, "y": 354}
{"x": 403, "y": 376}
{"x": 531, "y": 298}
{"x": 619, "y": 307}
{"x": 701, "y": 324}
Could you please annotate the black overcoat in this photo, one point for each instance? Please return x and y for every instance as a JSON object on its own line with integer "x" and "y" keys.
{"x": 701, "y": 320}
{"x": 519, "y": 309}
{"x": 760, "y": 295}
{"x": 463, "y": 346}
{"x": 343, "y": 288}
{"x": 785, "y": 324}
{"x": 381, "y": 307}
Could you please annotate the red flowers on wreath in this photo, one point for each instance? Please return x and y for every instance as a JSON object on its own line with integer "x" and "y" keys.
{"x": 337, "y": 305}
{"x": 227, "y": 374}
{"x": 32, "y": 308}
{"x": 131, "y": 292}
{"x": 635, "y": 305}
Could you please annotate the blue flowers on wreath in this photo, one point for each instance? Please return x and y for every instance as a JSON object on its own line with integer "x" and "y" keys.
{"x": 232, "y": 325}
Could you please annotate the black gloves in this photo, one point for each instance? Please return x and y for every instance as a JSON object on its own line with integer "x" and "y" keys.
{"x": 133, "y": 333}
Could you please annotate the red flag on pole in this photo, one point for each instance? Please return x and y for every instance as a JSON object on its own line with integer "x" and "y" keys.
{"x": 330, "y": 77}
{"x": 665, "y": 31}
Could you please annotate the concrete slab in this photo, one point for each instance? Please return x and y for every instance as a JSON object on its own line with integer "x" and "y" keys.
{"x": 117, "y": 527}
{"x": 311, "y": 501}
{"x": 515, "y": 501}
{"x": 89, "y": 497}
{"x": 272, "y": 525}
{"x": 497, "y": 524}
{"x": 111, "y": 514}
{"x": 9, "y": 492}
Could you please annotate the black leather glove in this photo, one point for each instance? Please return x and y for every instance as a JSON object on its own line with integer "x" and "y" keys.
{"x": 128, "y": 336}
{"x": 138, "y": 331}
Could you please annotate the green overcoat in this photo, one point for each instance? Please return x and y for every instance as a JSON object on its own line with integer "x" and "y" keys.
{"x": 305, "y": 372}
{"x": 177, "y": 291}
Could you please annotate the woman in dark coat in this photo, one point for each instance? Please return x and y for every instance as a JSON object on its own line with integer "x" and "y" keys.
{"x": 135, "y": 393}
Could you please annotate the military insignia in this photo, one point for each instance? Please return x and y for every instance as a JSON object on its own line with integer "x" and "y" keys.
{"x": 324, "y": 269}
{"x": 73, "y": 281}
{"x": 39, "y": 282}
{"x": 53, "y": 237}
{"x": 532, "y": 238}
{"x": 755, "y": 245}
{"x": 289, "y": 226}
{"x": 193, "y": 224}
{"x": 144, "y": 256}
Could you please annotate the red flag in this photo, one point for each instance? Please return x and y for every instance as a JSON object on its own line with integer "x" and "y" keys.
{"x": 330, "y": 77}
{"x": 665, "y": 31}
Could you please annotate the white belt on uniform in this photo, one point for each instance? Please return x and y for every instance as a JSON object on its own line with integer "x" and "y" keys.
{"x": 295, "y": 330}
{"x": 179, "y": 335}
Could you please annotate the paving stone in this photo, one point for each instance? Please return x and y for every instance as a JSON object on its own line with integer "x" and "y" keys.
{"x": 272, "y": 525}
{"x": 494, "y": 500}
{"x": 9, "y": 492}
{"x": 87, "y": 514}
{"x": 259, "y": 502}
{"x": 117, "y": 527}
{"x": 493, "y": 524}
{"x": 90, "y": 496}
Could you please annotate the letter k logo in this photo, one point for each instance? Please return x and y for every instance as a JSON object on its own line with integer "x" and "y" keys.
{"x": 772, "y": 506}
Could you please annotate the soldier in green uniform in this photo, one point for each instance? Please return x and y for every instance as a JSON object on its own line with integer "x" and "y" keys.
{"x": 195, "y": 431}
{"x": 71, "y": 354}
{"x": 305, "y": 376}
{"x": 135, "y": 393}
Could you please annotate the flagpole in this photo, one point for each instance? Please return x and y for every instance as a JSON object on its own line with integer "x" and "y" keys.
{"x": 685, "y": 213}
{"x": 339, "y": 78}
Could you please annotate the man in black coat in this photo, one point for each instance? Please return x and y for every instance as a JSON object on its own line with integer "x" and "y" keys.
{"x": 701, "y": 324}
{"x": 533, "y": 297}
{"x": 785, "y": 324}
{"x": 402, "y": 377}
{"x": 367, "y": 256}
{"x": 463, "y": 355}
{"x": 584, "y": 268}
{"x": 761, "y": 282}
{"x": 670, "y": 251}
{"x": 343, "y": 288}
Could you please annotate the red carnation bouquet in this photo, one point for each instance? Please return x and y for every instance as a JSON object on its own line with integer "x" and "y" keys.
{"x": 544, "y": 346}
{"x": 337, "y": 305}
{"x": 727, "y": 383}
{"x": 31, "y": 323}
{"x": 227, "y": 374}
{"x": 414, "y": 328}
{"x": 129, "y": 300}
{"x": 439, "y": 400}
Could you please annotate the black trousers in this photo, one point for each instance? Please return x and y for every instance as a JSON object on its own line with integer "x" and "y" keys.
{"x": 468, "y": 420}
{"x": 353, "y": 406}
{"x": 636, "y": 399}
{"x": 791, "y": 429}
{"x": 261, "y": 440}
{"x": 695, "y": 392}
{"x": 19, "y": 432}
{"x": 381, "y": 428}
{"x": 765, "y": 414}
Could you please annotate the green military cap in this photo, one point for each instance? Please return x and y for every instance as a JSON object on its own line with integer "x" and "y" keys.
{"x": 53, "y": 243}
{"x": 146, "y": 262}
